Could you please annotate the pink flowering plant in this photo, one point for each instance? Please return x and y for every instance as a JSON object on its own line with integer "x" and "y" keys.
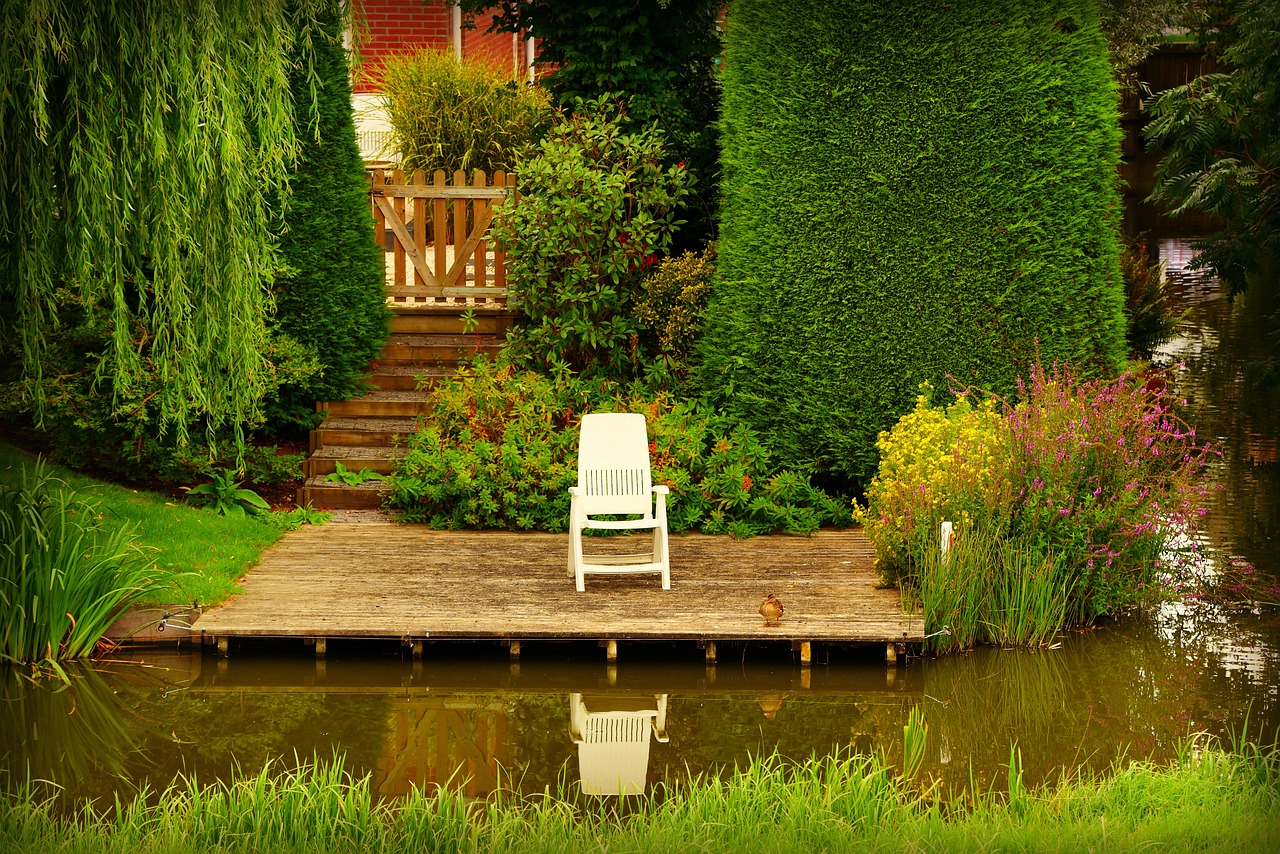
{"x": 1084, "y": 482}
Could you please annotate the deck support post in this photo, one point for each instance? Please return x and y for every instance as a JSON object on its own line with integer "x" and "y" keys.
{"x": 890, "y": 653}
{"x": 224, "y": 647}
{"x": 515, "y": 650}
{"x": 711, "y": 653}
{"x": 416, "y": 646}
{"x": 806, "y": 652}
{"x": 322, "y": 647}
{"x": 611, "y": 650}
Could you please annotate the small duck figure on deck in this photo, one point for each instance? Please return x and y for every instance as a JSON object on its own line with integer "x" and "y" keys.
{"x": 771, "y": 609}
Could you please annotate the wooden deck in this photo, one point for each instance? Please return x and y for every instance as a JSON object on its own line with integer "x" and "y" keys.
{"x": 382, "y": 580}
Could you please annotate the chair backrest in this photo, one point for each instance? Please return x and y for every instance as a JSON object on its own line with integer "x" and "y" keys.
{"x": 613, "y": 464}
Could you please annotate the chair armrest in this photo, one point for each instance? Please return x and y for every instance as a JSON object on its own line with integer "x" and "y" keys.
{"x": 577, "y": 491}
{"x": 657, "y": 490}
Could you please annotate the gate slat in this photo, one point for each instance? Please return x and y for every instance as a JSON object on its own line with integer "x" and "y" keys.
{"x": 420, "y": 228}
{"x": 479, "y": 179}
{"x": 397, "y": 206}
{"x": 438, "y": 229}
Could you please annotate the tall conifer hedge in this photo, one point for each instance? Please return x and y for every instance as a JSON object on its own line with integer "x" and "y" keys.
{"x": 332, "y": 298}
{"x": 910, "y": 191}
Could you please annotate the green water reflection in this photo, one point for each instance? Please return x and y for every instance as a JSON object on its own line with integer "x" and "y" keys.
{"x": 466, "y": 718}
{"x": 478, "y": 725}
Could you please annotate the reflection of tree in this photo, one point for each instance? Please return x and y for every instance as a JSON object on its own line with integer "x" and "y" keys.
{"x": 1121, "y": 689}
{"x": 217, "y": 733}
{"x": 1227, "y": 404}
{"x": 72, "y": 733}
{"x": 540, "y": 744}
{"x": 116, "y": 729}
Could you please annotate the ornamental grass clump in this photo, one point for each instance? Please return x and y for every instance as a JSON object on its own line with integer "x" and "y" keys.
{"x": 1062, "y": 503}
{"x": 449, "y": 115}
{"x": 65, "y": 575}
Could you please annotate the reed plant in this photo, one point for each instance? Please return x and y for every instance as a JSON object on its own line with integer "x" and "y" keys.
{"x": 1209, "y": 800}
{"x": 991, "y": 589}
{"x": 65, "y": 574}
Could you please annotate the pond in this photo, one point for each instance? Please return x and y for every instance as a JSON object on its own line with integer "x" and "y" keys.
{"x": 468, "y": 718}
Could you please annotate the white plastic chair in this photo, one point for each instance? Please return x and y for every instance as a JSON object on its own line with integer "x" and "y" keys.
{"x": 612, "y": 734}
{"x": 613, "y": 478}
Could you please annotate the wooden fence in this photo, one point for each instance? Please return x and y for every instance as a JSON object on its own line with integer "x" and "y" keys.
{"x": 436, "y": 236}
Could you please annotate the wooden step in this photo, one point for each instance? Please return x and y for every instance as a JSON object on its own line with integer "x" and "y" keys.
{"x": 428, "y": 349}
{"x": 323, "y": 495}
{"x": 349, "y": 431}
{"x": 407, "y": 377}
{"x": 379, "y": 404}
{"x": 323, "y": 461}
{"x": 487, "y": 321}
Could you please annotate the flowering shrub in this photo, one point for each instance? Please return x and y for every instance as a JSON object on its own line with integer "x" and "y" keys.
{"x": 598, "y": 209}
{"x": 499, "y": 450}
{"x": 675, "y": 296}
{"x": 1095, "y": 476}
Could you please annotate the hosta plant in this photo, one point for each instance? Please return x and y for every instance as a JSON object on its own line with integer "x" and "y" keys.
{"x": 224, "y": 496}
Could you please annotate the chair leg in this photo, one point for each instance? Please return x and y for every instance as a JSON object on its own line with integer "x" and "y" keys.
{"x": 575, "y": 558}
{"x": 661, "y": 555}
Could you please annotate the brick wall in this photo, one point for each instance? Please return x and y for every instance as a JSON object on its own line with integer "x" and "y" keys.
{"x": 504, "y": 51}
{"x": 392, "y": 26}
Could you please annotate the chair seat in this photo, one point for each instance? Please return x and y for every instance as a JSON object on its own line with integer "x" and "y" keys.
{"x": 621, "y": 525}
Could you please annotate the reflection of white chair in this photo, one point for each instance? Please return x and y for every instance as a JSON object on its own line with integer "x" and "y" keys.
{"x": 614, "y": 478}
{"x": 612, "y": 734}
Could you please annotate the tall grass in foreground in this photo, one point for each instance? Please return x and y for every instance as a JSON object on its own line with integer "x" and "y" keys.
{"x": 65, "y": 575}
{"x": 1209, "y": 800}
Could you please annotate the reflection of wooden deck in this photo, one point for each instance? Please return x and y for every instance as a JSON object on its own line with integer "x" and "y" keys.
{"x": 381, "y": 580}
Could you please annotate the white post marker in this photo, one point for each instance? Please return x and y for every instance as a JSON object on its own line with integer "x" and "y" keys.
{"x": 946, "y": 539}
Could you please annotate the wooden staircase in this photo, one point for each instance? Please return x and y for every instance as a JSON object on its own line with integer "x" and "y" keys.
{"x": 369, "y": 431}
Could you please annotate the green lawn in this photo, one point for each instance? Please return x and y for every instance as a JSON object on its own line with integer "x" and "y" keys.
{"x": 207, "y": 553}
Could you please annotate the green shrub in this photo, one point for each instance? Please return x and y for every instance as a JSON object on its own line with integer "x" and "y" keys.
{"x": 910, "y": 192}
{"x": 499, "y": 451}
{"x": 1062, "y": 502}
{"x": 450, "y": 115}
{"x": 65, "y": 575}
{"x": 331, "y": 297}
{"x": 675, "y": 296}
{"x": 599, "y": 207}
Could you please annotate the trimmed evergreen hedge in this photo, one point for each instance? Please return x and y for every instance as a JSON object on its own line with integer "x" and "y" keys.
{"x": 332, "y": 296}
{"x": 909, "y": 192}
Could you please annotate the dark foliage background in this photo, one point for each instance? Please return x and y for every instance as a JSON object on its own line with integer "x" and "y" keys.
{"x": 661, "y": 54}
{"x": 909, "y": 193}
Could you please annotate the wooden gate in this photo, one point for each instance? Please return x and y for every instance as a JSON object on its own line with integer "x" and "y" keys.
{"x": 436, "y": 236}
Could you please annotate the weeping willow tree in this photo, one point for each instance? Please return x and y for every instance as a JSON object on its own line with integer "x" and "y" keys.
{"x": 141, "y": 144}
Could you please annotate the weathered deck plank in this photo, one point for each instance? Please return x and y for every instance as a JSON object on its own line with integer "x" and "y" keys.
{"x": 385, "y": 580}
